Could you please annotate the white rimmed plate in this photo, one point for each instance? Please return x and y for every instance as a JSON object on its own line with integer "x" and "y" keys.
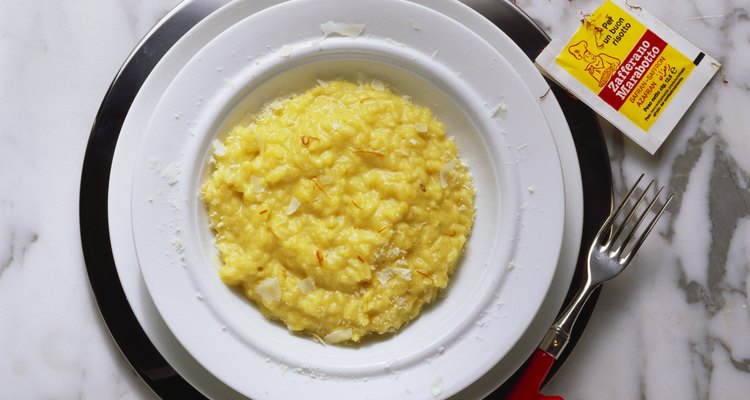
{"x": 183, "y": 122}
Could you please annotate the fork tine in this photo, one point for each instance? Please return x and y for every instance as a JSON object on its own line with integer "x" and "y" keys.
{"x": 626, "y": 258}
{"x": 630, "y": 214}
{"x": 638, "y": 222}
{"x": 609, "y": 222}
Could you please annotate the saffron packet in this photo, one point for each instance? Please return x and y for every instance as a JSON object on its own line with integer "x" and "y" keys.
{"x": 631, "y": 69}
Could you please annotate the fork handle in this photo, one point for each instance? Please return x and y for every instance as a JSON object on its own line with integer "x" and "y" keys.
{"x": 527, "y": 387}
{"x": 558, "y": 336}
{"x": 554, "y": 342}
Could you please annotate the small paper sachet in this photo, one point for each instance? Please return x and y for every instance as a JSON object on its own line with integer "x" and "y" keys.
{"x": 631, "y": 69}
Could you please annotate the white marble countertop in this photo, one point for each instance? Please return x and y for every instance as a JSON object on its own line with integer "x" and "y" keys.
{"x": 673, "y": 326}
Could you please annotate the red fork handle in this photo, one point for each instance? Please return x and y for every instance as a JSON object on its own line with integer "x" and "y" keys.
{"x": 527, "y": 388}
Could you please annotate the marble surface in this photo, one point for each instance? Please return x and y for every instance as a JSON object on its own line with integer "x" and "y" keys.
{"x": 673, "y": 326}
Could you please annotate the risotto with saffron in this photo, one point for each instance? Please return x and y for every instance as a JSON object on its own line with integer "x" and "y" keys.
{"x": 340, "y": 211}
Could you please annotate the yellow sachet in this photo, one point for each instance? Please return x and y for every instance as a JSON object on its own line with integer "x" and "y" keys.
{"x": 631, "y": 69}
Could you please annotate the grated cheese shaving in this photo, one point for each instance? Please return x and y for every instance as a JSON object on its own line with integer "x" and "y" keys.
{"x": 338, "y": 335}
{"x": 384, "y": 275}
{"x": 293, "y": 206}
{"x": 171, "y": 173}
{"x": 219, "y": 148}
{"x": 447, "y": 167}
{"x": 178, "y": 245}
{"x": 269, "y": 290}
{"x": 404, "y": 273}
{"x": 276, "y": 106}
{"x": 342, "y": 29}
{"x": 257, "y": 184}
{"x": 286, "y": 51}
{"x": 306, "y": 285}
{"x": 500, "y": 109}
{"x": 377, "y": 85}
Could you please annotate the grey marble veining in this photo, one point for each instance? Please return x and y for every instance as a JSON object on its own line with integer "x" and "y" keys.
{"x": 673, "y": 326}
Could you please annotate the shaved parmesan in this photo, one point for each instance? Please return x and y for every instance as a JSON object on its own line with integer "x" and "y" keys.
{"x": 500, "y": 109}
{"x": 178, "y": 245}
{"x": 171, "y": 173}
{"x": 276, "y": 106}
{"x": 444, "y": 172}
{"x": 269, "y": 290}
{"x": 257, "y": 184}
{"x": 286, "y": 51}
{"x": 293, "y": 206}
{"x": 384, "y": 275}
{"x": 338, "y": 336}
{"x": 219, "y": 148}
{"x": 306, "y": 285}
{"x": 421, "y": 128}
{"x": 342, "y": 29}
{"x": 404, "y": 273}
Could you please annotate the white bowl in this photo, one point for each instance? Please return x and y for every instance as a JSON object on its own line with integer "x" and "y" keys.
{"x": 512, "y": 157}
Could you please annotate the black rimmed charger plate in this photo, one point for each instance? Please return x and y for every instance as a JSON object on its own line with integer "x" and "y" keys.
{"x": 97, "y": 249}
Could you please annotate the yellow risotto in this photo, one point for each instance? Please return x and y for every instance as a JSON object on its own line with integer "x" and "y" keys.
{"x": 340, "y": 211}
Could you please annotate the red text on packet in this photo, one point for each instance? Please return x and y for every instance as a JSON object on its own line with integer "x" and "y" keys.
{"x": 632, "y": 70}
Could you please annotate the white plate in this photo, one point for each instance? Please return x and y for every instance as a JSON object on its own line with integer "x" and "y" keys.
{"x": 518, "y": 179}
{"x": 143, "y": 107}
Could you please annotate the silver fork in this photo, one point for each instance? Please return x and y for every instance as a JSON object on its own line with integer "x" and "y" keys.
{"x": 612, "y": 250}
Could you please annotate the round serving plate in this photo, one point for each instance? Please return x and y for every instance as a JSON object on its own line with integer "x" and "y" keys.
{"x": 510, "y": 257}
{"x": 107, "y": 172}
